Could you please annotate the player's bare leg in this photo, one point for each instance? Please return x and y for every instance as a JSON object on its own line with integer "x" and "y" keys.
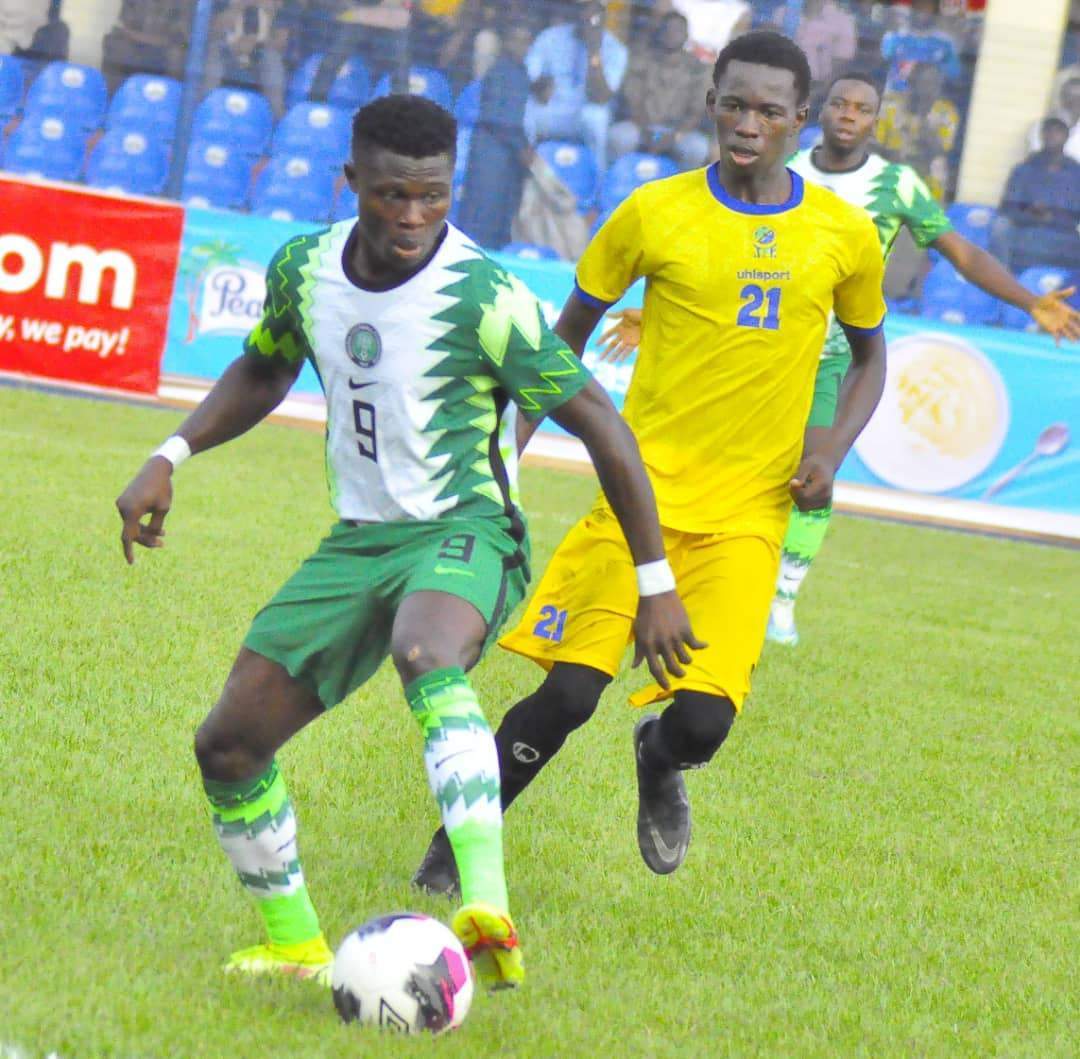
{"x": 260, "y": 709}
{"x": 436, "y": 638}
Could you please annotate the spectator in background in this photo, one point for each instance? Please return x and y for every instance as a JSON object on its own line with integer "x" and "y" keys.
{"x": 470, "y": 50}
{"x": 1040, "y": 210}
{"x": 433, "y": 23}
{"x": 713, "y": 23}
{"x": 499, "y": 152}
{"x": 919, "y": 126}
{"x": 149, "y": 36}
{"x": 247, "y": 50}
{"x": 827, "y": 34}
{"x": 664, "y": 91}
{"x": 922, "y": 42}
{"x": 377, "y": 30}
{"x": 51, "y": 41}
{"x": 577, "y": 67}
{"x": 19, "y": 19}
{"x": 1068, "y": 111}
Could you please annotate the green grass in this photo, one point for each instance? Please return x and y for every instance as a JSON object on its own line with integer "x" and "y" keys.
{"x": 884, "y": 860}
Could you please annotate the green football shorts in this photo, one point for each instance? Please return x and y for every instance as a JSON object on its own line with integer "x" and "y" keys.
{"x": 330, "y": 624}
{"x": 830, "y": 375}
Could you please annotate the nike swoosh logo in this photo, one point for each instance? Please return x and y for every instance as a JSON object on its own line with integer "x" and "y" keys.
{"x": 359, "y": 385}
{"x": 454, "y": 570}
{"x": 449, "y": 757}
{"x": 668, "y": 854}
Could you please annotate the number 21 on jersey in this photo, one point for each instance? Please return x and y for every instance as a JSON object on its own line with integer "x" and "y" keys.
{"x": 760, "y": 307}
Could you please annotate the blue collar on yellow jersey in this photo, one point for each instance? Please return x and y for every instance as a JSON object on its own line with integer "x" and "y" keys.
{"x": 739, "y": 206}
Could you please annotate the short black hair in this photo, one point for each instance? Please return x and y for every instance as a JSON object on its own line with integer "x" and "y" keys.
{"x": 409, "y": 125}
{"x": 767, "y": 48}
{"x": 1049, "y": 123}
{"x": 862, "y": 77}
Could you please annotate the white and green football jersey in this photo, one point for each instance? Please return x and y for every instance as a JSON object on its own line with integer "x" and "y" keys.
{"x": 418, "y": 379}
{"x": 894, "y": 195}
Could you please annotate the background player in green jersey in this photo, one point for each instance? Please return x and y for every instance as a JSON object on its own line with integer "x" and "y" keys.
{"x": 420, "y": 342}
{"x": 896, "y": 197}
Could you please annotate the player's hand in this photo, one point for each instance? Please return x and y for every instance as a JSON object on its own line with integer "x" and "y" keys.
{"x": 149, "y": 493}
{"x": 663, "y": 637}
{"x": 1053, "y": 313}
{"x": 622, "y": 337}
{"x": 812, "y": 486}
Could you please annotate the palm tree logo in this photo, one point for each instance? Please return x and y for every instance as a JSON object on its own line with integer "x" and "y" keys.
{"x": 195, "y": 266}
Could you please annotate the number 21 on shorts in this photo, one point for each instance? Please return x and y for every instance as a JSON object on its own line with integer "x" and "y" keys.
{"x": 551, "y": 624}
{"x": 760, "y": 307}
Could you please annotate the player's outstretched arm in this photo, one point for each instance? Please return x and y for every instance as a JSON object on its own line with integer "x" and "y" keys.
{"x": 249, "y": 390}
{"x": 812, "y": 486}
{"x": 662, "y": 629}
{"x": 1051, "y": 311}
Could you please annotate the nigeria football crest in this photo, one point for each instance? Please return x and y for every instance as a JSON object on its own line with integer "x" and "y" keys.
{"x": 363, "y": 345}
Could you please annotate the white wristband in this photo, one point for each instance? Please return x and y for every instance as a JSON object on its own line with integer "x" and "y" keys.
{"x": 174, "y": 449}
{"x": 653, "y": 579}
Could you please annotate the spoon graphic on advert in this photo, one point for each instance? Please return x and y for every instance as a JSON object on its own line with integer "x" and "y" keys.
{"x": 1049, "y": 443}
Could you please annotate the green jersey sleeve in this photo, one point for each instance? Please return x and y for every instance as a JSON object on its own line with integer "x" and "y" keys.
{"x": 279, "y": 332}
{"x": 919, "y": 210}
{"x": 535, "y": 367}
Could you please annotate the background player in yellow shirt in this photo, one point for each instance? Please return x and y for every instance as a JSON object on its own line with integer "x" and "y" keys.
{"x": 743, "y": 264}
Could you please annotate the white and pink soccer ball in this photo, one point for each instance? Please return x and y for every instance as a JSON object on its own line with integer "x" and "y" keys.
{"x": 405, "y": 972}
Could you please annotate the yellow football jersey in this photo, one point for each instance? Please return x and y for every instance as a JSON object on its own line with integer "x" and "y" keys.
{"x": 737, "y": 302}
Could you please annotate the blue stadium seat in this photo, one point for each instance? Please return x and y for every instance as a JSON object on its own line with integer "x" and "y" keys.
{"x": 345, "y": 205}
{"x": 130, "y": 161}
{"x": 809, "y": 137}
{"x": 531, "y": 251}
{"x": 947, "y": 296}
{"x": 12, "y": 84}
{"x": 629, "y": 172}
{"x": 315, "y": 129}
{"x": 972, "y": 222}
{"x": 46, "y": 146}
{"x": 294, "y": 188}
{"x": 237, "y": 117}
{"x": 149, "y": 104}
{"x": 75, "y": 93}
{"x": 575, "y": 166}
{"x": 467, "y": 107}
{"x": 461, "y": 157}
{"x": 423, "y": 81}
{"x": 215, "y": 175}
{"x": 351, "y": 88}
{"x": 1040, "y": 279}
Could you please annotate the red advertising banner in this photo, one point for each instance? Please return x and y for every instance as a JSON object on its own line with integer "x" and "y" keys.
{"x": 86, "y": 281}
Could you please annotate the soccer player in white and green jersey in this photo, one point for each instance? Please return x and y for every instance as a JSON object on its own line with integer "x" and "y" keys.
{"x": 895, "y": 196}
{"x": 421, "y": 343}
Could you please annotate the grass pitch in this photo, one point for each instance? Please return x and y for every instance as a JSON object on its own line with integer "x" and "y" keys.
{"x": 884, "y": 857}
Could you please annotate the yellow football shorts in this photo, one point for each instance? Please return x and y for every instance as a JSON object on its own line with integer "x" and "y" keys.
{"x": 584, "y": 606}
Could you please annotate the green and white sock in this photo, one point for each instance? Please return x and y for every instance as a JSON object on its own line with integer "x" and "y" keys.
{"x": 463, "y": 772}
{"x": 256, "y": 827}
{"x": 802, "y": 542}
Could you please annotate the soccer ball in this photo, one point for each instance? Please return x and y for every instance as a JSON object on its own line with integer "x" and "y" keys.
{"x": 404, "y": 972}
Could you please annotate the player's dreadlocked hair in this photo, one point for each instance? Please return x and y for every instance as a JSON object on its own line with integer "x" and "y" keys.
{"x": 857, "y": 75}
{"x": 408, "y": 125}
{"x": 767, "y": 48}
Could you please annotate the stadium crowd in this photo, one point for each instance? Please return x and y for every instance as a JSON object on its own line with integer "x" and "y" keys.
{"x": 564, "y": 106}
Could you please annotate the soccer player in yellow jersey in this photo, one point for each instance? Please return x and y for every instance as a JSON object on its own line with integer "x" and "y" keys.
{"x": 743, "y": 263}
